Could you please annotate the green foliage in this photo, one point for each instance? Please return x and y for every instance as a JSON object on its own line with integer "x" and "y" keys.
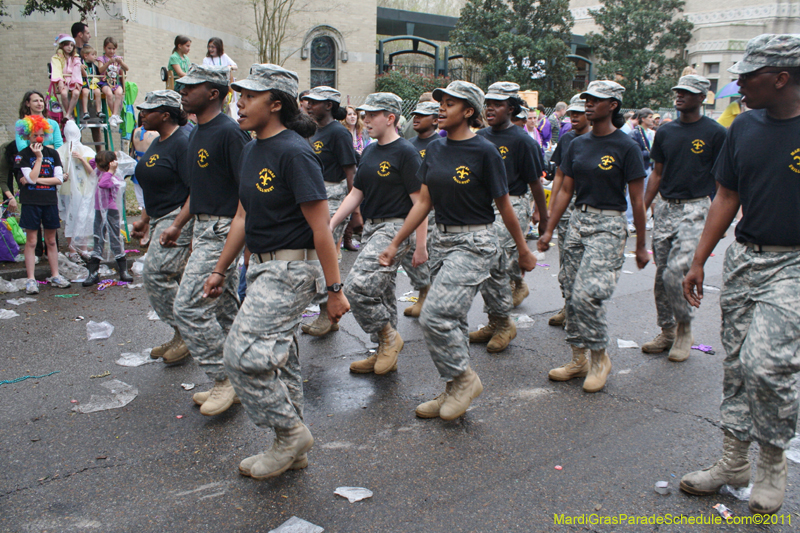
{"x": 641, "y": 46}
{"x": 84, "y": 7}
{"x": 524, "y": 41}
{"x": 408, "y": 86}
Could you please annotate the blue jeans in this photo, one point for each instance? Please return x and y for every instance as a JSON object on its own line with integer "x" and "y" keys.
{"x": 629, "y": 212}
{"x": 243, "y": 283}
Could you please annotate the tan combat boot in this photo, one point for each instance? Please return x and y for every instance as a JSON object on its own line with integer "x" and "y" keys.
{"x": 559, "y": 318}
{"x": 199, "y": 398}
{"x": 220, "y": 398}
{"x": 431, "y": 409}
{"x": 733, "y": 469}
{"x": 159, "y": 351}
{"x": 287, "y": 449}
{"x": 661, "y": 343}
{"x": 416, "y": 309}
{"x": 770, "y": 486}
{"x": 504, "y": 331}
{"x": 682, "y": 346}
{"x": 322, "y": 325}
{"x": 599, "y": 369}
{"x": 246, "y": 464}
{"x": 577, "y": 368}
{"x": 388, "y": 349}
{"x": 466, "y": 388}
{"x": 178, "y": 353}
{"x": 367, "y": 366}
{"x": 519, "y": 291}
{"x": 486, "y": 333}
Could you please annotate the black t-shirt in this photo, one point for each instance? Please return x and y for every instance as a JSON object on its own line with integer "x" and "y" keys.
{"x": 163, "y": 174}
{"x": 761, "y": 161}
{"x": 602, "y": 167}
{"x": 38, "y": 194}
{"x": 277, "y": 175}
{"x": 213, "y": 160}
{"x": 387, "y": 175}
{"x": 422, "y": 144}
{"x": 333, "y": 144}
{"x": 561, "y": 147}
{"x": 519, "y": 152}
{"x": 463, "y": 178}
{"x": 688, "y": 152}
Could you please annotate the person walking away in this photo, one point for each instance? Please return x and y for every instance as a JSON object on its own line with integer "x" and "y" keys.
{"x": 163, "y": 174}
{"x": 214, "y": 153}
{"x": 761, "y": 273}
{"x": 684, "y": 152}
{"x": 283, "y": 217}
{"x": 598, "y": 167}
{"x": 460, "y": 175}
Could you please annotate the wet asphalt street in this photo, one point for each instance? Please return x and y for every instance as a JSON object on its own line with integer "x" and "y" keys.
{"x": 158, "y": 465}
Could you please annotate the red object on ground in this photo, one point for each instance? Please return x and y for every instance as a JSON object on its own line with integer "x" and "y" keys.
{"x": 40, "y": 140}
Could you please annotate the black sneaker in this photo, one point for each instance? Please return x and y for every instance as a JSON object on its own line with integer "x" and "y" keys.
{"x": 101, "y": 115}
{"x": 85, "y": 117}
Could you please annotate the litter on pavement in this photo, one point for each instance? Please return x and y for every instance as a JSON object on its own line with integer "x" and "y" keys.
{"x": 353, "y": 494}
{"x": 101, "y": 330}
{"x": 136, "y": 359}
{"x": 7, "y": 313}
{"x": 20, "y": 301}
{"x": 626, "y": 344}
{"x": 297, "y": 525}
{"x": 121, "y": 395}
{"x": 742, "y": 493}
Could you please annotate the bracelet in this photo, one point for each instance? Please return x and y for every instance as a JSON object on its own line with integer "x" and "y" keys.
{"x": 218, "y": 273}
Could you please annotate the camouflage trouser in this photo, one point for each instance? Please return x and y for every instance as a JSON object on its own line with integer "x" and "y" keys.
{"x": 593, "y": 258}
{"x": 496, "y": 290}
{"x": 163, "y": 267}
{"x": 462, "y": 262}
{"x": 562, "y": 230}
{"x": 336, "y": 193}
{"x": 370, "y": 287}
{"x": 261, "y": 354}
{"x": 676, "y": 232}
{"x": 205, "y": 322}
{"x": 761, "y": 335}
{"x": 420, "y": 276}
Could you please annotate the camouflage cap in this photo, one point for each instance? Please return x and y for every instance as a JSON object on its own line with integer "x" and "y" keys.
{"x": 694, "y": 84}
{"x": 198, "y": 74}
{"x": 267, "y": 77}
{"x": 426, "y": 108}
{"x": 323, "y": 93}
{"x": 464, "y": 90}
{"x": 576, "y": 103}
{"x": 502, "y": 90}
{"x": 523, "y": 114}
{"x": 769, "y": 50}
{"x": 161, "y": 98}
{"x": 383, "y": 102}
{"x": 604, "y": 89}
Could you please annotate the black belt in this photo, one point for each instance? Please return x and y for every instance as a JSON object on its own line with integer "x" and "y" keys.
{"x": 684, "y": 200}
{"x": 770, "y": 248}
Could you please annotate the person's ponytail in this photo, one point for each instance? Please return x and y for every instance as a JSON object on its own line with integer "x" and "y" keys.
{"x": 291, "y": 117}
{"x": 617, "y": 119}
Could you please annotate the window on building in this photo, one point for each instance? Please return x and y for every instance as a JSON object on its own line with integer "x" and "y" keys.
{"x": 712, "y": 68}
{"x": 323, "y": 62}
{"x": 714, "y": 85}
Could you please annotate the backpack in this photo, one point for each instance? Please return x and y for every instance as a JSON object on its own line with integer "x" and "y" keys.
{"x": 9, "y": 249}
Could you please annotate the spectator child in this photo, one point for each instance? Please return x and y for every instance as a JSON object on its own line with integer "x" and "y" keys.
{"x": 65, "y": 71}
{"x": 39, "y": 171}
{"x": 91, "y": 83}
{"x": 106, "y": 215}
{"x": 112, "y": 66}
{"x": 179, "y": 60}
{"x": 216, "y": 56}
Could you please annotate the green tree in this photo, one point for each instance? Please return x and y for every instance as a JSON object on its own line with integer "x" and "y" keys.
{"x": 641, "y": 46}
{"x": 524, "y": 41}
{"x": 84, "y": 7}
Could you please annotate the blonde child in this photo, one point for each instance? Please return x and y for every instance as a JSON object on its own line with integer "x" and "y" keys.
{"x": 65, "y": 71}
{"x": 91, "y": 83}
{"x": 112, "y": 66}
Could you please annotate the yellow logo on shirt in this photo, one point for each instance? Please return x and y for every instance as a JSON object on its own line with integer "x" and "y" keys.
{"x": 606, "y": 162}
{"x": 795, "y": 166}
{"x": 462, "y": 175}
{"x": 383, "y": 169}
{"x": 698, "y": 145}
{"x": 264, "y": 183}
{"x": 202, "y": 155}
{"x": 422, "y": 154}
{"x": 152, "y": 161}
{"x": 318, "y": 147}
{"x": 503, "y": 151}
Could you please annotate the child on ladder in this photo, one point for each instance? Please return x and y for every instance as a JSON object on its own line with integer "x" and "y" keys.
{"x": 91, "y": 83}
{"x": 113, "y": 67}
{"x": 65, "y": 71}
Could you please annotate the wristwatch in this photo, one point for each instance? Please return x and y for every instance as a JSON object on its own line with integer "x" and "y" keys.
{"x": 336, "y": 287}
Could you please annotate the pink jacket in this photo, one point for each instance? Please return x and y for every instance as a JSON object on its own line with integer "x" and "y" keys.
{"x": 67, "y": 69}
{"x": 105, "y": 197}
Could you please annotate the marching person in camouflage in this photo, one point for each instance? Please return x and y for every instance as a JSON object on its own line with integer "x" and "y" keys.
{"x": 598, "y": 167}
{"x": 165, "y": 183}
{"x": 580, "y": 126}
{"x": 684, "y": 152}
{"x": 213, "y": 160}
{"x": 333, "y": 144}
{"x": 521, "y": 155}
{"x": 460, "y": 175}
{"x": 386, "y": 187}
{"x": 283, "y": 218}
{"x": 758, "y": 170}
